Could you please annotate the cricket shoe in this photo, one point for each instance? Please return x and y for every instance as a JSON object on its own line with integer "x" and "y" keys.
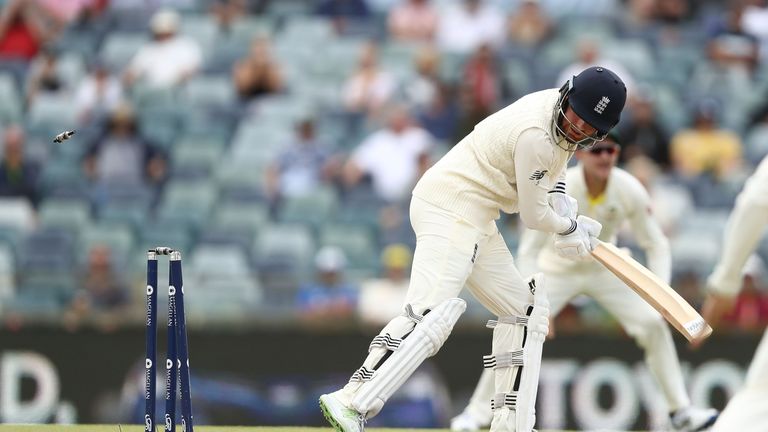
{"x": 692, "y": 419}
{"x": 342, "y": 419}
{"x": 466, "y": 422}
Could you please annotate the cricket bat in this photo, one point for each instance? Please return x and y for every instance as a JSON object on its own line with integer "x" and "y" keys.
{"x": 654, "y": 291}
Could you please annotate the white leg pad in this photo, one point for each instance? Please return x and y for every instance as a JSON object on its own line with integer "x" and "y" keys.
{"x": 517, "y": 345}
{"x": 424, "y": 341}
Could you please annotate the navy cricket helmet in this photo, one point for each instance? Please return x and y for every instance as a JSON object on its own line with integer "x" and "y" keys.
{"x": 598, "y": 95}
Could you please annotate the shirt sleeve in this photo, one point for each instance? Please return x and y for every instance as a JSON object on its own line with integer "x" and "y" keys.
{"x": 648, "y": 232}
{"x": 533, "y": 161}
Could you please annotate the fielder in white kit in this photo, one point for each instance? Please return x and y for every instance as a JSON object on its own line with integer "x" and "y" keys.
{"x": 747, "y": 411}
{"x": 611, "y": 196}
{"x": 509, "y": 163}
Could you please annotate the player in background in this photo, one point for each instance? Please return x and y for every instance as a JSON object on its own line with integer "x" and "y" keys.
{"x": 747, "y": 411}
{"x": 611, "y": 196}
{"x": 509, "y": 163}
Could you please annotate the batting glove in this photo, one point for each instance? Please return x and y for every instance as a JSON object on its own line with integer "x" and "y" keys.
{"x": 578, "y": 242}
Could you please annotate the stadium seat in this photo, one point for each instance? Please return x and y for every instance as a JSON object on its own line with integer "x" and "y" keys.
{"x": 118, "y": 237}
{"x": 60, "y": 213}
{"x": 210, "y": 92}
{"x": 187, "y": 203}
{"x": 53, "y": 112}
{"x": 246, "y": 216}
{"x": 357, "y": 242}
{"x": 196, "y": 156}
{"x": 294, "y": 242}
{"x": 119, "y": 48}
{"x": 312, "y": 209}
{"x": 17, "y": 213}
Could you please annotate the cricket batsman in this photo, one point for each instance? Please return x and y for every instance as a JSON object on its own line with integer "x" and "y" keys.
{"x": 611, "y": 196}
{"x": 510, "y": 162}
{"x": 747, "y": 411}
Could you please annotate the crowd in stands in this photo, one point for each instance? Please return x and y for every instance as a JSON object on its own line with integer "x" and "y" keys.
{"x": 275, "y": 142}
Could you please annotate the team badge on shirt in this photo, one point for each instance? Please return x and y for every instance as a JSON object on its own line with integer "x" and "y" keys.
{"x": 537, "y": 175}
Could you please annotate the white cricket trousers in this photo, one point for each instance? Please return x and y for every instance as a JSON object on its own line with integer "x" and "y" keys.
{"x": 747, "y": 411}
{"x": 452, "y": 253}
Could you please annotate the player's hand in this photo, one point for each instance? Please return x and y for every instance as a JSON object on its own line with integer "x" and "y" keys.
{"x": 714, "y": 308}
{"x": 578, "y": 244}
{"x": 564, "y": 205}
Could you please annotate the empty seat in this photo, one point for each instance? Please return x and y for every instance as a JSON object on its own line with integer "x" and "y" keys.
{"x": 17, "y": 213}
{"x": 313, "y": 209}
{"x": 47, "y": 251}
{"x": 294, "y": 242}
{"x": 247, "y": 216}
{"x": 219, "y": 261}
{"x": 118, "y": 49}
{"x": 210, "y": 92}
{"x": 357, "y": 242}
{"x": 70, "y": 214}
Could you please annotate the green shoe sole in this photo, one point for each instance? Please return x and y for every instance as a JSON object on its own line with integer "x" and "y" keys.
{"x": 329, "y": 417}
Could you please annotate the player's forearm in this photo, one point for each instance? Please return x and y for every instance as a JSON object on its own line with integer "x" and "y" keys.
{"x": 537, "y": 214}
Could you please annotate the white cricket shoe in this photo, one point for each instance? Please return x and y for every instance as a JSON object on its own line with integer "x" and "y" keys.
{"x": 693, "y": 419}
{"x": 342, "y": 419}
{"x": 466, "y": 422}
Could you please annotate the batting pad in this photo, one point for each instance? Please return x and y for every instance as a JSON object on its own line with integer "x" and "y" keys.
{"x": 516, "y": 361}
{"x": 424, "y": 341}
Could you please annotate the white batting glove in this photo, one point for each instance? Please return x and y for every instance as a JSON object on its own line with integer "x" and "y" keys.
{"x": 578, "y": 243}
{"x": 564, "y": 205}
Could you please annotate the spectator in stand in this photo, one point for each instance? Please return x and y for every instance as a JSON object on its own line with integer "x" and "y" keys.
{"x": 344, "y": 12}
{"x": 642, "y": 134}
{"x": 258, "y": 73}
{"x": 394, "y": 157}
{"x": 302, "y": 167}
{"x": 66, "y": 11}
{"x": 329, "y": 296}
{"x": 464, "y": 27}
{"x": 98, "y": 94}
{"x": 754, "y": 21}
{"x": 44, "y": 76}
{"x": 168, "y": 60}
{"x": 382, "y": 299}
{"x": 24, "y": 28}
{"x": 413, "y": 21}
{"x": 102, "y": 291}
{"x": 441, "y": 116}
{"x": 18, "y": 176}
{"x": 588, "y": 55}
{"x": 732, "y": 48}
{"x": 225, "y": 13}
{"x": 483, "y": 80}
{"x": 673, "y": 11}
{"x": 422, "y": 89}
{"x": 369, "y": 87}
{"x": 750, "y": 307}
{"x": 529, "y": 25}
{"x": 705, "y": 147}
{"x": 122, "y": 155}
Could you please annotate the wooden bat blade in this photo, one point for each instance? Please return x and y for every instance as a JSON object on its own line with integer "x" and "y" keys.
{"x": 654, "y": 291}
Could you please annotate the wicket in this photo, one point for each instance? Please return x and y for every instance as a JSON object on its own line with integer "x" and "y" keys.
{"x": 177, "y": 355}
